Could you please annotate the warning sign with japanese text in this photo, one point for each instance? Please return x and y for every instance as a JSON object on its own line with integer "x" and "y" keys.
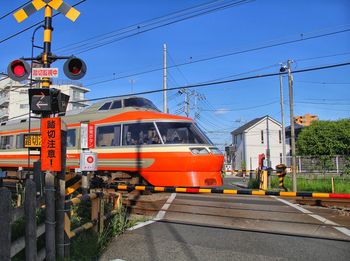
{"x": 87, "y": 135}
{"x": 51, "y": 153}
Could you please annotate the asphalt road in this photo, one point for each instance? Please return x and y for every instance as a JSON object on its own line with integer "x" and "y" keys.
{"x": 226, "y": 227}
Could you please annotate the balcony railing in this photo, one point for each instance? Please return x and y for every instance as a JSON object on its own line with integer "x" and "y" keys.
{"x": 4, "y": 99}
{"x": 4, "y": 113}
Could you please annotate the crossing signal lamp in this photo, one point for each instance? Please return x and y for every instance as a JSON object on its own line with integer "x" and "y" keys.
{"x": 74, "y": 68}
{"x": 18, "y": 70}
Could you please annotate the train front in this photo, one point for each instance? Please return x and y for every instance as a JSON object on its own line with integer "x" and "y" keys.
{"x": 186, "y": 157}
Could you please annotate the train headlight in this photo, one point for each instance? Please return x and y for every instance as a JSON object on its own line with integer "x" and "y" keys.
{"x": 199, "y": 151}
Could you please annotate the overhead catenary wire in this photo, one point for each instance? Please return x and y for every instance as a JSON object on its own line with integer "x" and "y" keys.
{"x": 213, "y": 58}
{"x": 199, "y": 85}
{"x": 12, "y": 11}
{"x": 210, "y": 83}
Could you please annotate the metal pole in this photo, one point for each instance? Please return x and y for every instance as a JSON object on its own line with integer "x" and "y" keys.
{"x": 268, "y": 152}
{"x": 30, "y": 217}
{"x": 283, "y": 127}
{"x": 292, "y": 130}
{"x": 60, "y": 212}
{"x": 187, "y": 104}
{"x": 165, "y": 109}
{"x": 50, "y": 216}
{"x": 5, "y": 227}
{"x": 50, "y": 221}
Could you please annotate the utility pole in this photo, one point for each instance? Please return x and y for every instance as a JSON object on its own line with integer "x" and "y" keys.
{"x": 292, "y": 130}
{"x": 132, "y": 81}
{"x": 268, "y": 154}
{"x": 187, "y": 103}
{"x": 282, "y": 116}
{"x": 165, "y": 107}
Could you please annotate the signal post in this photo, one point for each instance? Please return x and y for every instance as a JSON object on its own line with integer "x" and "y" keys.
{"x": 50, "y": 102}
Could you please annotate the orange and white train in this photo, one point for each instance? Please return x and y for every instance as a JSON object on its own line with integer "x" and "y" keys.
{"x": 131, "y": 138}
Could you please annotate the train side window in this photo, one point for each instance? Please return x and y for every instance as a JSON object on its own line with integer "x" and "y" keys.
{"x": 140, "y": 134}
{"x": 108, "y": 136}
{"x": 71, "y": 138}
{"x": 19, "y": 141}
{"x": 6, "y": 142}
{"x": 105, "y": 106}
{"x": 116, "y": 105}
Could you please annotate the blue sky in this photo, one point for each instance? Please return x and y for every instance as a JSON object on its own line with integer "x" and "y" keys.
{"x": 238, "y": 28}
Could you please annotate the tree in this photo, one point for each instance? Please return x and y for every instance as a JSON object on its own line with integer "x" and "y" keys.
{"x": 325, "y": 138}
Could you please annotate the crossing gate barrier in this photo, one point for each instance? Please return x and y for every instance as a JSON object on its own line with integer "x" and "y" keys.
{"x": 228, "y": 191}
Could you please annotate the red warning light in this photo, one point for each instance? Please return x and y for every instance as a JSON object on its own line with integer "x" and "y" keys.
{"x": 74, "y": 68}
{"x": 18, "y": 70}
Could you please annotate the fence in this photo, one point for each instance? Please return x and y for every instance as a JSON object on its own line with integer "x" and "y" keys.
{"x": 304, "y": 164}
{"x": 321, "y": 164}
{"x": 9, "y": 249}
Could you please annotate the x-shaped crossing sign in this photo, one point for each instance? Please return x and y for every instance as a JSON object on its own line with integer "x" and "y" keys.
{"x": 60, "y": 6}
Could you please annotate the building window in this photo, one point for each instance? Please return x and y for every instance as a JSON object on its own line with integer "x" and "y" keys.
{"x": 262, "y": 137}
{"x": 281, "y": 158}
{"x": 280, "y": 136}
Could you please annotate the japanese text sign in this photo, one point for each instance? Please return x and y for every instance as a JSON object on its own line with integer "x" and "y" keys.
{"x": 51, "y": 153}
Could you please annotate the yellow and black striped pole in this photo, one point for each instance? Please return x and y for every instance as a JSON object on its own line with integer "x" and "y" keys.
{"x": 47, "y": 44}
{"x": 281, "y": 173}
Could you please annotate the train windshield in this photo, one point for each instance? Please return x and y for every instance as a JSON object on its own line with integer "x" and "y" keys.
{"x": 181, "y": 133}
{"x": 139, "y": 102}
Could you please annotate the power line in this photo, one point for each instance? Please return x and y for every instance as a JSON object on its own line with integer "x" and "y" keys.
{"x": 138, "y": 30}
{"x": 34, "y": 25}
{"x": 11, "y": 12}
{"x": 130, "y": 28}
{"x": 225, "y": 55}
{"x": 247, "y": 108}
{"x": 332, "y": 83}
{"x": 223, "y": 82}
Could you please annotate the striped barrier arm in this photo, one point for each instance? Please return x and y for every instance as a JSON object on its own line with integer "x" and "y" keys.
{"x": 90, "y": 224}
{"x": 78, "y": 200}
{"x": 230, "y": 191}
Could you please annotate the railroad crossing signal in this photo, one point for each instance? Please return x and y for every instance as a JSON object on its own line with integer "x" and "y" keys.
{"x": 18, "y": 70}
{"x": 47, "y": 100}
{"x": 70, "y": 12}
{"x": 74, "y": 68}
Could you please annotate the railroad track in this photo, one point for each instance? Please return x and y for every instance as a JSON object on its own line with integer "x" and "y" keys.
{"x": 324, "y": 202}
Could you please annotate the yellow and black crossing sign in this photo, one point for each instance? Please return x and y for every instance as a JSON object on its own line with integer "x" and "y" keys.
{"x": 60, "y": 6}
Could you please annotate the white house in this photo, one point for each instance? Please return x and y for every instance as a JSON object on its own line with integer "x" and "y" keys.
{"x": 259, "y": 136}
{"x": 14, "y": 101}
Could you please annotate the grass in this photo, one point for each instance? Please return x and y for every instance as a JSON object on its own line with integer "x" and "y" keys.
{"x": 312, "y": 183}
{"x": 90, "y": 245}
{"x": 318, "y": 184}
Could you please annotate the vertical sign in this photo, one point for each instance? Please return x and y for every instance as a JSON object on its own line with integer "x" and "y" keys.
{"x": 51, "y": 157}
{"x": 87, "y": 135}
{"x": 83, "y": 135}
{"x": 91, "y": 136}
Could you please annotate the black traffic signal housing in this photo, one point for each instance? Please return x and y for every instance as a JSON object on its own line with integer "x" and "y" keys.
{"x": 18, "y": 70}
{"x": 74, "y": 68}
{"x": 47, "y": 101}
